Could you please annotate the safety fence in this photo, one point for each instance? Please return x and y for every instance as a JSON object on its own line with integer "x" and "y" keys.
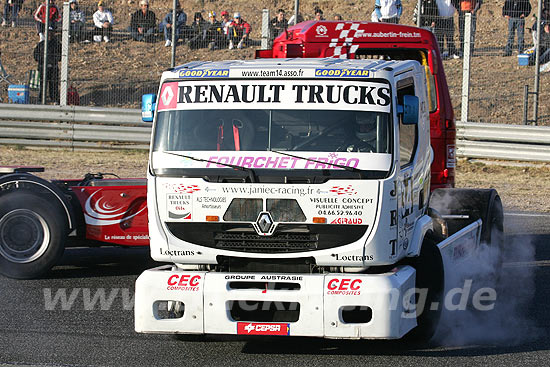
{"x": 109, "y": 128}
{"x": 117, "y": 73}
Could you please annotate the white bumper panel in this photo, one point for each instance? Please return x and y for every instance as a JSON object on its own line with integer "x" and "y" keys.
{"x": 321, "y": 298}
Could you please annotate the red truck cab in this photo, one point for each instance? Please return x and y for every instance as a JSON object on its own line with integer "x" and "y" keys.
{"x": 361, "y": 39}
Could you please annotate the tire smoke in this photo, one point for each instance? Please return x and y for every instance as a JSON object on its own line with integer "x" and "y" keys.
{"x": 506, "y": 273}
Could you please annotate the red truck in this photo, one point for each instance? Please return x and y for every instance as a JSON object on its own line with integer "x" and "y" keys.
{"x": 358, "y": 40}
{"x": 39, "y": 218}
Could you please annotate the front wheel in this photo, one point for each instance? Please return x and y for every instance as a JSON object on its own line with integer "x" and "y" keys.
{"x": 32, "y": 234}
{"x": 430, "y": 284}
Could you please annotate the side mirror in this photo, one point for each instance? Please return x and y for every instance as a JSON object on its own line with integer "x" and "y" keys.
{"x": 148, "y": 104}
{"x": 409, "y": 109}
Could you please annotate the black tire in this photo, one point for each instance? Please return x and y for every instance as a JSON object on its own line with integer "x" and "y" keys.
{"x": 430, "y": 275}
{"x": 33, "y": 232}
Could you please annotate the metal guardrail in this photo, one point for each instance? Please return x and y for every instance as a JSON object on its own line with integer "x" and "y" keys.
{"x": 74, "y": 114}
{"x": 506, "y": 142}
{"x": 73, "y": 127}
{"x": 116, "y": 128}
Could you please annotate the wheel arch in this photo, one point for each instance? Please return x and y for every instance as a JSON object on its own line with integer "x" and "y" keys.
{"x": 25, "y": 181}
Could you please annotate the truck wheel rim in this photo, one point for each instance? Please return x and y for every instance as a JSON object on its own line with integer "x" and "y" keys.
{"x": 24, "y": 236}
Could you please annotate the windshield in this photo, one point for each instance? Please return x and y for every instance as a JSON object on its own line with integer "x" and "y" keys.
{"x": 263, "y": 129}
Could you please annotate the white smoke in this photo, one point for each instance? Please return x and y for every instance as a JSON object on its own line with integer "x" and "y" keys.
{"x": 506, "y": 320}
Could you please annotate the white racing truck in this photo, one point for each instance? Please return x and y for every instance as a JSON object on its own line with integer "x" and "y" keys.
{"x": 293, "y": 198}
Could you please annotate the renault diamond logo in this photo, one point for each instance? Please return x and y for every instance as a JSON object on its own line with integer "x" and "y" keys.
{"x": 264, "y": 224}
{"x": 167, "y": 96}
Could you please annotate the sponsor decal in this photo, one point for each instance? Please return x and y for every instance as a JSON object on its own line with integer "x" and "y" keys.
{"x": 182, "y": 189}
{"x": 256, "y": 328}
{"x": 376, "y": 96}
{"x": 342, "y": 73}
{"x": 344, "y": 286}
{"x": 283, "y": 162}
{"x": 240, "y": 277}
{"x": 281, "y": 277}
{"x": 214, "y": 73}
{"x": 346, "y": 208}
{"x": 346, "y": 190}
{"x": 321, "y": 30}
{"x": 183, "y": 282}
{"x": 179, "y": 206}
{"x": 178, "y": 252}
{"x": 451, "y": 156}
{"x": 344, "y": 220}
{"x": 135, "y": 237}
{"x": 393, "y": 218}
{"x": 102, "y": 213}
{"x": 393, "y": 245}
{"x": 353, "y": 257}
{"x": 270, "y": 73}
{"x": 179, "y": 216}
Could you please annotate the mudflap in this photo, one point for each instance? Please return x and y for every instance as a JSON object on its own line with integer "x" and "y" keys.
{"x": 353, "y": 306}
{"x": 461, "y": 246}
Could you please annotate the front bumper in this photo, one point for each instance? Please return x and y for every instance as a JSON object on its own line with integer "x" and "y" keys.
{"x": 330, "y": 305}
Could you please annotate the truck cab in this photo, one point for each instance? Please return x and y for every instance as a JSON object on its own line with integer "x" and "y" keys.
{"x": 272, "y": 176}
{"x": 370, "y": 40}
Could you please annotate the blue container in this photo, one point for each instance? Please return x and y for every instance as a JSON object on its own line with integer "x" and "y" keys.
{"x": 18, "y": 93}
{"x": 523, "y": 59}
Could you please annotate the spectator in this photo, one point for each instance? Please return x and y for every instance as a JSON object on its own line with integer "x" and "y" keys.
{"x": 515, "y": 11}
{"x": 226, "y": 21}
{"x": 472, "y": 7}
{"x": 52, "y": 67}
{"x": 545, "y": 17}
{"x": 103, "y": 23}
{"x": 77, "y": 22}
{"x": 338, "y": 17}
{"x": 388, "y": 11}
{"x": 199, "y": 28}
{"x": 277, "y": 25}
{"x": 544, "y": 45}
{"x": 143, "y": 23}
{"x": 11, "y": 10}
{"x": 166, "y": 25}
{"x": 239, "y": 30}
{"x": 215, "y": 34}
{"x": 318, "y": 13}
{"x": 428, "y": 14}
{"x": 40, "y": 18}
{"x": 445, "y": 28}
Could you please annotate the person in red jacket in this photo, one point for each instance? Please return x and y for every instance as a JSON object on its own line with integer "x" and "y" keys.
{"x": 40, "y": 18}
{"x": 239, "y": 30}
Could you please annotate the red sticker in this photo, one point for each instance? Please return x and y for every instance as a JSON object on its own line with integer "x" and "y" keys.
{"x": 255, "y": 328}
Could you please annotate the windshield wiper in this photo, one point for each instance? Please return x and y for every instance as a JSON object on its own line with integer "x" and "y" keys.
{"x": 250, "y": 171}
{"x": 347, "y": 168}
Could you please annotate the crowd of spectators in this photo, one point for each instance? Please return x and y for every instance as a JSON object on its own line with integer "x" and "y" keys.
{"x": 234, "y": 31}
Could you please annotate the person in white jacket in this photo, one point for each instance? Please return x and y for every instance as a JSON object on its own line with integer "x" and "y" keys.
{"x": 388, "y": 11}
{"x": 445, "y": 28}
{"x": 103, "y": 23}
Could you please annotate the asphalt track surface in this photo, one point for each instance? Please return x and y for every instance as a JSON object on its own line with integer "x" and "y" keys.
{"x": 514, "y": 334}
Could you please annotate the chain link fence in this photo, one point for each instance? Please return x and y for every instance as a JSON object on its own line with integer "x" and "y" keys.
{"x": 117, "y": 73}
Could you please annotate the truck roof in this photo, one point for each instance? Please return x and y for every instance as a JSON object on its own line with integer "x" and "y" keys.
{"x": 354, "y": 31}
{"x": 370, "y": 66}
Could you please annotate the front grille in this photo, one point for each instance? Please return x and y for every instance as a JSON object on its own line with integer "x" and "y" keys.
{"x": 279, "y": 242}
{"x": 287, "y": 238}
